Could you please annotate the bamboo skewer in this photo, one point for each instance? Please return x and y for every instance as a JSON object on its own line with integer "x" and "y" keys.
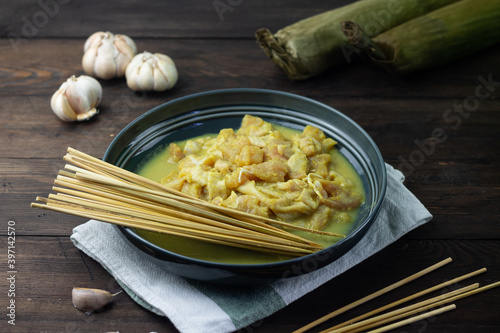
{"x": 414, "y": 319}
{"x": 409, "y": 298}
{"x": 90, "y": 190}
{"x": 355, "y": 325}
{"x": 205, "y": 234}
{"x": 80, "y": 159}
{"x": 403, "y": 312}
{"x": 176, "y": 231}
{"x": 95, "y": 189}
{"x": 372, "y": 296}
{"x": 205, "y": 225}
{"x": 451, "y": 298}
{"x": 125, "y": 174}
{"x": 135, "y": 192}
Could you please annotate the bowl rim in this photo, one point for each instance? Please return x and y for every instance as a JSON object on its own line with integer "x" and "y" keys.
{"x": 293, "y": 261}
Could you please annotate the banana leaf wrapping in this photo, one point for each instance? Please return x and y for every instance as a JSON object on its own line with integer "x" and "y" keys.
{"x": 433, "y": 39}
{"x": 313, "y": 45}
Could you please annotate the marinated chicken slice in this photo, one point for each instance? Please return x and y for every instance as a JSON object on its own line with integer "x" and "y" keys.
{"x": 299, "y": 166}
{"x": 320, "y": 218}
{"x": 251, "y": 125}
{"x": 271, "y": 171}
{"x": 192, "y": 147}
{"x": 216, "y": 186}
{"x": 175, "y": 153}
{"x": 319, "y": 164}
{"x": 252, "y": 205}
{"x": 249, "y": 155}
{"x": 333, "y": 195}
{"x": 245, "y": 203}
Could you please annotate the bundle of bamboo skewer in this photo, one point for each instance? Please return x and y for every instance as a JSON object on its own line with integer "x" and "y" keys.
{"x": 92, "y": 188}
{"x": 379, "y": 320}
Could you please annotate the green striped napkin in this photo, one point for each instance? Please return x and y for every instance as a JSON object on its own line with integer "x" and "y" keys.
{"x": 195, "y": 307}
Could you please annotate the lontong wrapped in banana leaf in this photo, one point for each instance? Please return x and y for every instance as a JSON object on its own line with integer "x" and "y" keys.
{"x": 446, "y": 34}
{"x": 313, "y": 45}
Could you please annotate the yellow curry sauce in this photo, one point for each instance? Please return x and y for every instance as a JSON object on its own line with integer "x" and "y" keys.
{"x": 264, "y": 169}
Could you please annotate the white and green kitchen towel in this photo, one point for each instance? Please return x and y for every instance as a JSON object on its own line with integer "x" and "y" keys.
{"x": 201, "y": 307}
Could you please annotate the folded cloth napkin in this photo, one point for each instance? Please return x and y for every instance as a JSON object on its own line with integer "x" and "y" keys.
{"x": 201, "y": 307}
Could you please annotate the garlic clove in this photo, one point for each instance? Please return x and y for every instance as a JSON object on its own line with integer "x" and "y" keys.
{"x": 107, "y": 55}
{"x": 161, "y": 82}
{"x": 127, "y": 50}
{"x": 82, "y": 94}
{"x": 77, "y": 98}
{"x": 59, "y": 103}
{"x": 149, "y": 71}
{"x": 168, "y": 70}
{"x": 96, "y": 36}
{"x": 89, "y": 300}
{"x": 89, "y": 59}
{"x": 105, "y": 63}
{"x": 125, "y": 44}
{"x": 145, "y": 78}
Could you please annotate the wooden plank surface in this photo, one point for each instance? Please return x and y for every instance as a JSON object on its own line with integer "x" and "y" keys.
{"x": 458, "y": 180}
{"x": 183, "y": 19}
{"x": 58, "y": 266}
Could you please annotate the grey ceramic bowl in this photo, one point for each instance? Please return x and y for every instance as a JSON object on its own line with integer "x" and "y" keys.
{"x": 212, "y": 111}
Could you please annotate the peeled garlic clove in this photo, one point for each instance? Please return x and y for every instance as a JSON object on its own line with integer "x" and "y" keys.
{"x": 77, "y": 98}
{"x": 149, "y": 71}
{"x": 89, "y": 300}
{"x": 106, "y": 55}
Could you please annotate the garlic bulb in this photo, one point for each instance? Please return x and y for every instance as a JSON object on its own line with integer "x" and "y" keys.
{"x": 107, "y": 55}
{"x": 149, "y": 71}
{"x": 89, "y": 300}
{"x": 77, "y": 98}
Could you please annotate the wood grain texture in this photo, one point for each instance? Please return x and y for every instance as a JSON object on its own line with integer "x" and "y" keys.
{"x": 450, "y": 159}
{"x": 162, "y": 19}
{"x": 367, "y": 95}
{"x": 380, "y": 271}
{"x": 58, "y": 267}
{"x": 46, "y": 63}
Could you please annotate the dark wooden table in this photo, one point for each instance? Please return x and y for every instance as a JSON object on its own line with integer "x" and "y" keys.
{"x": 458, "y": 181}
